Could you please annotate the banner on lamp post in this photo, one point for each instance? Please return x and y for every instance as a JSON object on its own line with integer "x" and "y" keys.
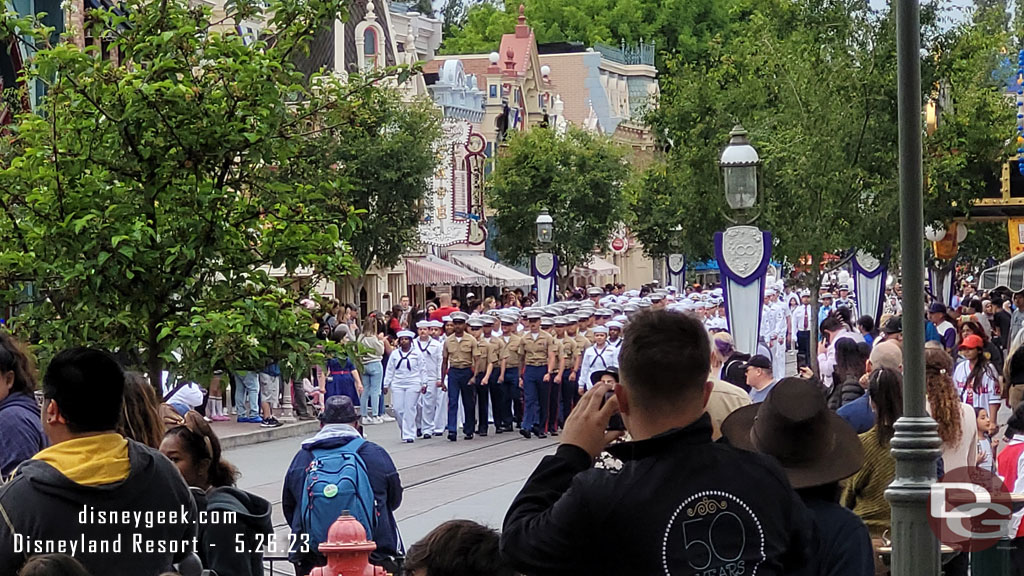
{"x": 675, "y": 266}
{"x": 743, "y": 254}
{"x": 941, "y": 282}
{"x": 545, "y": 277}
{"x": 869, "y": 274}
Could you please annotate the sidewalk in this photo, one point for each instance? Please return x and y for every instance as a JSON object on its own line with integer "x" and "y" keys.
{"x": 233, "y": 434}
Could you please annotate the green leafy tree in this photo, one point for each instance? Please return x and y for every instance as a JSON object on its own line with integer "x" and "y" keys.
{"x": 381, "y": 160}
{"x": 577, "y": 177}
{"x": 965, "y": 151}
{"x": 149, "y": 202}
{"x": 477, "y": 30}
{"x": 813, "y": 83}
{"x": 677, "y": 27}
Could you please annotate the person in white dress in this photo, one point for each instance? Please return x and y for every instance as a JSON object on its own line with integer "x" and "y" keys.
{"x": 430, "y": 355}
{"x": 404, "y": 377}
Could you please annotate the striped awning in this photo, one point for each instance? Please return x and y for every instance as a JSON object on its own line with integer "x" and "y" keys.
{"x": 498, "y": 275}
{"x": 596, "y": 268}
{"x": 1009, "y": 274}
{"x": 432, "y": 271}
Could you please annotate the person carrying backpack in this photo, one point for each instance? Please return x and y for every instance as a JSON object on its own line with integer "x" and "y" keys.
{"x": 335, "y": 471}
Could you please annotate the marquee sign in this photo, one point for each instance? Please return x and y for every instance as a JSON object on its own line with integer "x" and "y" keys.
{"x": 453, "y": 209}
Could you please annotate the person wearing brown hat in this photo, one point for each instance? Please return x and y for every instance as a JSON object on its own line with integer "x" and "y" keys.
{"x": 817, "y": 449}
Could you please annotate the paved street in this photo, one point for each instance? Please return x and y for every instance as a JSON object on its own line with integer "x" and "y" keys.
{"x": 474, "y": 479}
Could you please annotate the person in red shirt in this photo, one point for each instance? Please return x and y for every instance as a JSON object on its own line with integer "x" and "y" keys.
{"x": 445, "y": 309}
{"x": 1011, "y": 468}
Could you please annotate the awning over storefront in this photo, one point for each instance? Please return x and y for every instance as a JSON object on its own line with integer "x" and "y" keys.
{"x": 432, "y": 271}
{"x": 1009, "y": 274}
{"x": 498, "y": 275}
{"x": 597, "y": 267}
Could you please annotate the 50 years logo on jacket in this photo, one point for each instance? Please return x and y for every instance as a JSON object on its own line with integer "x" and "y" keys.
{"x": 715, "y": 533}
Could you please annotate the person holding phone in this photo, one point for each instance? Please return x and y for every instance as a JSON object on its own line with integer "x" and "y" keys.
{"x": 679, "y": 500}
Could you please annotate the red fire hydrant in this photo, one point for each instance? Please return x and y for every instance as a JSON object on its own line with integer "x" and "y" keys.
{"x": 347, "y": 550}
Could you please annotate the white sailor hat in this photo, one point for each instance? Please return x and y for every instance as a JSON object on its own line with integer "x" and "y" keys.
{"x": 406, "y": 334}
{"x": 424, "y": 324}
{"x": 446, "y": 319}
{"x": 561, "y": 321}
{"x": 710, "y": 304}
{"x": 769, "y": 291}
{"x": 644, "y": 303}
{"x": 595, "y": 291}
{"x": 614, "y": 324}
{"x": 459, "y": 317}
{"x": 694, "y": 296}
{"x": 477, "y": 322}
{"x": 827, "y": 295}
{"x": 671, "y": 289}
{"x": 509, "y": 319}
{"x": 600, "y": 330}
{"x": 572, "y": 318}
{"x": 547, "y": 321}
{"x": 534, "y": 314}
{"x": 621, "y": 319}
{"x": 656, "y": 297}
{"x": 585, "y": 313}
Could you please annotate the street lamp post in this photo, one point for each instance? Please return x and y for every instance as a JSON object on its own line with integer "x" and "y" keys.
{"x": 915, "y": 446}
{"x": 545, "y": 263}
{"x": 743, "y": 251}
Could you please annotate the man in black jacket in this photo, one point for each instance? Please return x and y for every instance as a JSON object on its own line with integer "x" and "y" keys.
{"x": 680, "y": 504}
{"x": 117, "y": 506}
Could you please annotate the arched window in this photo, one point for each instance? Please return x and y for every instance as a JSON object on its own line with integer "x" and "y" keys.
{"x": 370, "y": 47}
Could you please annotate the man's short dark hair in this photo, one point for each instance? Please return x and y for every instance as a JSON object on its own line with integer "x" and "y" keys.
{"x": 458, "y": 547}
{"x": 88, "y": 386}
{"x": 665, "y": 358}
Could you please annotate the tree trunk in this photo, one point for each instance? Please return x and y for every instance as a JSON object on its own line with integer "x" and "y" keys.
{"x": 154, "y": 364}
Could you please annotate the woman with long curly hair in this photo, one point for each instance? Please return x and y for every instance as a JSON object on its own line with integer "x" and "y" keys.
{"x": 958, "y": 427}
{"x": 141, "y": 418}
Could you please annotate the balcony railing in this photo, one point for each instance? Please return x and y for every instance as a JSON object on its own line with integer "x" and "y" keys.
{"x": 641, "y": 53}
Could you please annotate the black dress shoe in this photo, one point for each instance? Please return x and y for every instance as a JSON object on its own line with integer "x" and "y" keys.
{"x": 525, "y": 433}
{"x": 539, "y": 433}
{"x": 482, "y": 434}
{"x": 553, "y": 433}
{"x": 499, "y": 430}
{"x": 469, "y": 436}
{"x": 453, "y": 437}
{"x": 427, "y": 436}
{"x": 419, "y": 432}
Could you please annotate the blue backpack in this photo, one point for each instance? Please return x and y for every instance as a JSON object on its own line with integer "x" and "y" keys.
{"x": 336, "y": 481}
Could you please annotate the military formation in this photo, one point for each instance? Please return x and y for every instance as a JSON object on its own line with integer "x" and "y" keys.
{"x": 520, "y": 368}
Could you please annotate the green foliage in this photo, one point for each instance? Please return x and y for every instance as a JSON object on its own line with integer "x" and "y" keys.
{"x": 476, "y": 30}
{"x": 148, "y": 202}
{"x": 964, "y": 155}
{"x": 577, "y": 177}
{"x": 814, "y": 82}
{"x": 679, "y": 27}
{"x": 380, "y": 159}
